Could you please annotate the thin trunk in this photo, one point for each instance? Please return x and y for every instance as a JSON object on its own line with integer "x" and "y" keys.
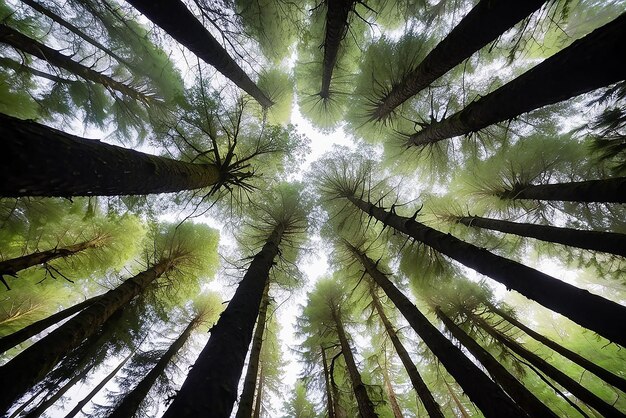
{"x": 327, "y": 383}
{"x": 336, "y": 29}
{"x": 431, "y": 406}
{"x": 498, "y": 372}
{"x": 488, "y": 396}
{"x": 552, "y": 372}
{"x": 22, "y": 68}
{"x": 259, "y": 395}
{"x": 607, "y": 376}
{"x": 30, "y": 46}
{"x": 457, "y": 401}
{"x": 40, "y": 161}
{"x": 604, "y": 191}
{"x": 31, "y": 365}
{"x": 18, "y": 337}
{"x": 366, "y": 407}
{"x": 249, "y": 382}
{"x": 582, "y": 307}
{"x": 393, "y": 400}
{"x": 482, "y": 25}
{"x": 587, "y": 64}
{"x": 175, "y": 19}
{"x": 30, "y": 400}
{"x": 211, "y": 386}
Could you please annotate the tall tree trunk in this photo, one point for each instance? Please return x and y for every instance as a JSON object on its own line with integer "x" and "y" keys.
{"x": 582, "y": 307}
{"x": 336, "y": 29}
{"x": 16, "y": 412}
{"x": 393, "y": 400}
{"x": 31, "y": 365}
{"x": 329, "y": 395}
{"x": 246, "y": 400}
{"x": 457, "y": 401}
{"x": 30, "y": 46}
{"x": 604, "y": 191}
{"x": 211, "y": 386}
{"x": 587, "y": 64}
{"x": 608, "y": 242}
{"x": 552, "y": 372}
{"x": 607, "y": 376}
{"x": 432, "y": 407}
{"x": 366, "y": 407}
{"x": 19, "y": 67}
{"x": 175, "y": 19}
{"x": 258, "y": 405}
{"x": 40, "y": 161}
{"x": 488, "y": 396}
{"x": 9, "y": 341}
{"x": 500, "y": 374}
{"x": 483, "y": 24}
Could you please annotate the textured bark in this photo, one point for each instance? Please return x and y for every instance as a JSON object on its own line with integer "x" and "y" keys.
{"x": 587, "y": 64}
{"x": 488, "y": 396}
{"x": 516, "y": 390}
{"x": 393, "y": 400}
{"x": 336, "y": 29}
{"x": 211, "y": 386}
{"x": 259, "y": 395}
{"x": 586, "y": 309}
{"x": 175, "y": 19}
{"x": 40, "y": 161}
{"x": 329, "y": 395}
{"x": 603, "y": 191}
{"x": 31, "y": 365}
{"x": 482, "y": 25}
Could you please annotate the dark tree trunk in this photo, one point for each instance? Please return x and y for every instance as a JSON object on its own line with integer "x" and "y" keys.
{"x": 175, "y": 19}
{"x": 40, "y": 161}
{"x": 31, "y": 365}
{"x": 329, "y": 395}
{"x": 500, "y": 374}
{"x": 211, "y": 386}
{"x": 432, "y": 407}
{"x": 603, "y": 191}
{"x": 582, "y": 307}
{"x": 336, "y": 29}
{"x": 483, "y": 24}
{"x": 587, "y": 64}
{"x": 259, "y": 395}
{"x": 19, "y": 67}
{"x": 488, "y": 396}
{"x": 552, "y": 372}
{"x": 246, "y": 399}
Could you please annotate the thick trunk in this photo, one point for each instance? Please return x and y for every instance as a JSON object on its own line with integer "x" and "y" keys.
{"x": 603, "y": 191}
{"x": 329, "y": 395}
{"x": 552, "y": 372}
{"x": 607, "y": 376}
{"x": 587, "y": 64}
{"x": 211, "y": 386}
{"x": 608, "y": 242}
{"x": 336, "y": 28}
{"x": 393, "y": 400}
{"x": 246, "y": 399}
{"x": 582, "y": 307}
{"x": 488, "y": 396}
{"x": 498, "y": 372}
{"x": 32, "y": 364}
{"x": 175, "y": 19}
{"x": 431, "y": 406}
{"x": 366, "y": 407}
{"x": 483, "y": 24}
{"x": 40, "y": 161}
{"x": 259, "y": 396}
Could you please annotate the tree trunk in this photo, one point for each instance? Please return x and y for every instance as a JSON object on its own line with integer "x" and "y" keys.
{"x": 366, "y": 408}
{"x": 457, "y": 401}
{"x": 608, "y": 242}
{"x": 175, "y": 19}
{"x": 431, "y": 406}
{"x": 259, "y": 395}
{"x": 552, "y": 372}
{"x": 498, "y": 372}
{"x": 587, "y": 64}
{"x": 482, "y": 25}
{"x": 336, "y": 29}
{"x": 246, "y": 400}
{"x": 19, "y": 67}
{"x": 604, "y": 191}
{"x": 607, "y": 376}
{"x": 582, "y": 307}
{"x": 18, "y": 337}
{"x": 393, "y": 400}
{"x": 16, "y": 412}
{"x": 327, "y": 383}
{"x": 488, "y": 396}
{"x": 40, "y": 161}
{"x": 32, "y": 364}
{"x": 211, "y": 386}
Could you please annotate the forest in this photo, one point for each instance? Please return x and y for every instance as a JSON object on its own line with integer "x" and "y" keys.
{"x": 312, "y": 209}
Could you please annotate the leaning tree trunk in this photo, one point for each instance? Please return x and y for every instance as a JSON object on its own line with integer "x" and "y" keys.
{"x": 329, "y": 395}
{"x": 246, "y": 399}
{"x": 457, "y": 401}
{"x": 582, "y": 307}
{"x": 488, "y": 396}
{"x": 393, "y": 399}
{"x": 19, "y": 67}
{"x": 32, "y": 364}
{"x": 336, "y": 29}
{"x": 259, "y": 395}
{"x": 587, "y": 64}
{"x": 483, "y": 24}
{"x": 175, "y": 19}
{"x": 211, "y": 386}
{"x": 603, "y": 191}
{"x": 571, "y": 385}
{"x": 366, "y": 407}
{"x": 432, "y": 407}
{"x": 500, "y": 374}
{"x": 40, "y": 161}
{"x": 607, "y": 376}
